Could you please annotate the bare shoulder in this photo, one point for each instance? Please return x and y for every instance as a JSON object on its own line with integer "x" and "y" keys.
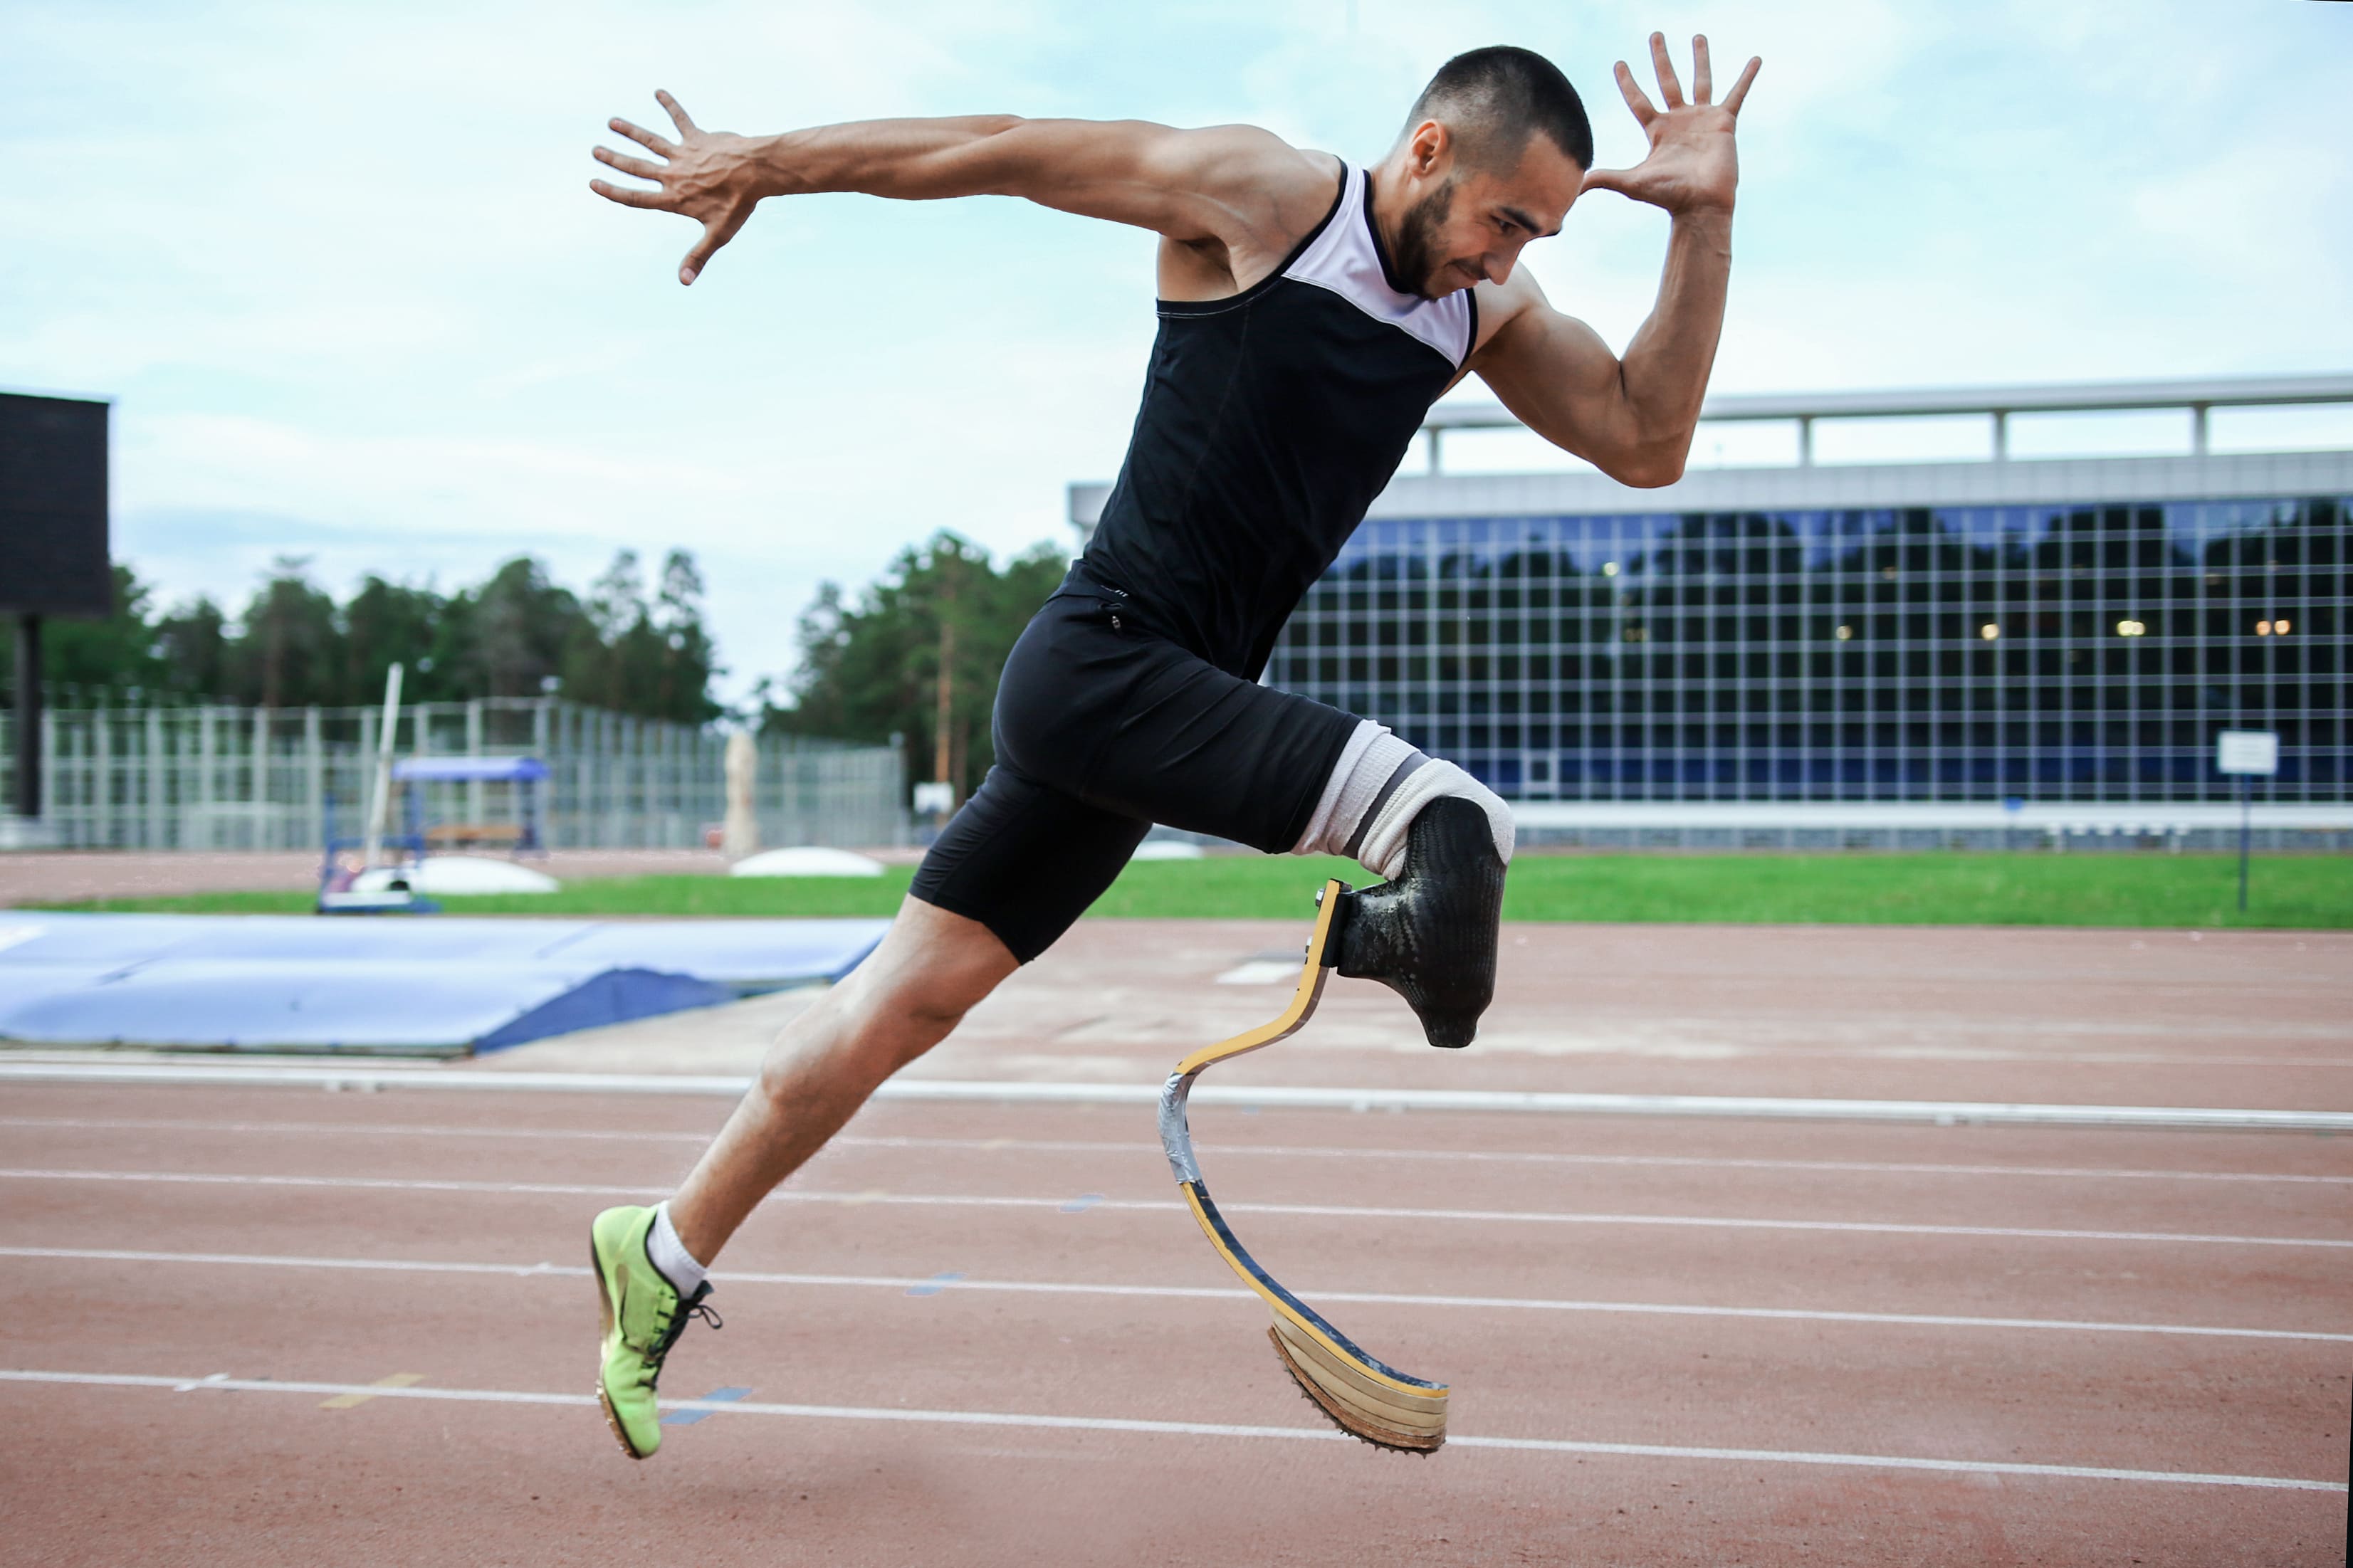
{"x": 1254, "y": 198}
{"x": 1539, "y": 360}
{"x": 1504, "y": 305}
{"x": 1252, "y": 170}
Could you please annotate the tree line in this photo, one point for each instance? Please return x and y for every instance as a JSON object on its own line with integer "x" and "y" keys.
{"x": 911, "y": 658}
{"x": 627, "y": 645}
{"x": 914, "y": 658}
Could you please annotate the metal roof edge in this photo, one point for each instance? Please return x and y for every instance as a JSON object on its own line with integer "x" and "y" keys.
{"x": 2051, "y": 481}
{"x": 2206, "y": 392}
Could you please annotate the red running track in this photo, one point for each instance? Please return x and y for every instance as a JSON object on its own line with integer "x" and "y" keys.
{"x": 989, "y": 1334}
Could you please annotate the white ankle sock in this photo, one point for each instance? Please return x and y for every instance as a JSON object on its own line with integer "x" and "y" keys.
{"x": 669, "y": 1254}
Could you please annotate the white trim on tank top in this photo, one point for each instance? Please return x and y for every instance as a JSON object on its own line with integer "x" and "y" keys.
{"x": 1343, "y": 259}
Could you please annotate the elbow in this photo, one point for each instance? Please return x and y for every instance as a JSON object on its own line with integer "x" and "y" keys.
{"x": 1659, "y": 460}
{"x": 1652, "y": 453}
{"x": 1638, "y": 459}
{"x": 1648, "y": 470}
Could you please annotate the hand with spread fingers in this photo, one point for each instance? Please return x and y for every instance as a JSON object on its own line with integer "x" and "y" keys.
{"x": 704, "y": 174}
{"x": 1692, "y": 166}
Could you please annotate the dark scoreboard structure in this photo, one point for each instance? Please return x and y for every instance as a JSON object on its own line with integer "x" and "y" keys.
{"x": 53, "y": 559}
{"x": 53, "y": 544}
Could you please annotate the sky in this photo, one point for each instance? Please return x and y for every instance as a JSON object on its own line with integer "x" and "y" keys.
{"x": 340, "y": 271}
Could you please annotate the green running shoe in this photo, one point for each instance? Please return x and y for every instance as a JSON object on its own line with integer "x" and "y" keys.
{"x": 643, "y": 1317}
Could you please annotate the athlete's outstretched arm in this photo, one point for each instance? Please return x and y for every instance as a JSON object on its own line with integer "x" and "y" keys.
{"x": 1235, "y": 187}
{"x": 1633, "y": 417}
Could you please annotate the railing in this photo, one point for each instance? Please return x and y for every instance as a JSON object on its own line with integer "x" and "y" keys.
{"x": 219, "y": 777}
{"x": 2198, "y": 398}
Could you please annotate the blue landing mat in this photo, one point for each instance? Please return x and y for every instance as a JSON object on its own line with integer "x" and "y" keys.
{"x": 442, "y": 986}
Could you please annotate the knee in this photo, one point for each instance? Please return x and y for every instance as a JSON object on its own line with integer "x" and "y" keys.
{"x": 899, "y": 1035}
{"x": 929, "y": 1016}
{"x": 895, "y": 1015}
{"x": 848, "y": 1042}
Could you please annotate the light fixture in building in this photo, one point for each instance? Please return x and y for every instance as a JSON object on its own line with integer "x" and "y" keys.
{"x": 2132, "y": 628}
{"x": 1989, "y": 631}
{"x": 2263, "y": 629}
{"x": 2279, "y": 629}
{"x": 1609, "y": 568}
{"x": 1846, "y": 633}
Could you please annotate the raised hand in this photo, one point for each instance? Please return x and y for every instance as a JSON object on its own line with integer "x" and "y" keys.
{"x": 1692, "y": 165}
{"x": 704, "y": 175}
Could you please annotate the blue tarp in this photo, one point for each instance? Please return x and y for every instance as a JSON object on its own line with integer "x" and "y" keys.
{"x": 487, "y": 770}
{"x": 286, "y": 982}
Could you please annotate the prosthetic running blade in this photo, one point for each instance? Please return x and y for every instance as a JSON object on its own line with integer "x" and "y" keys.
{"x": 1364, "y": 1397}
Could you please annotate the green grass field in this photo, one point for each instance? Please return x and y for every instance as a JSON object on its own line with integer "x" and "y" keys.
{"x": 2107, "y": 890}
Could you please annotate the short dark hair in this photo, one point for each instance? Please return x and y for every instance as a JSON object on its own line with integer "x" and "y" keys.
{"x": 1502, "y": 95}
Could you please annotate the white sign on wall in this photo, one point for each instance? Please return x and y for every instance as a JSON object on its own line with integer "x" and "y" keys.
{"x": 935, "y": 797}
{"x": 2247, "y": 752}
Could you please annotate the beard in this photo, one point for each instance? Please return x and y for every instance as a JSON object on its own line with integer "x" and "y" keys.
{"x": 1417, "y": 262}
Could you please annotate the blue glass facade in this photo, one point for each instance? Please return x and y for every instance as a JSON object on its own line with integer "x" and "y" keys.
{"x": 2053, "y": 653}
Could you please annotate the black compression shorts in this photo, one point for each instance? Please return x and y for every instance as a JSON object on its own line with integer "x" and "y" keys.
{"x": 1103, "y": 728}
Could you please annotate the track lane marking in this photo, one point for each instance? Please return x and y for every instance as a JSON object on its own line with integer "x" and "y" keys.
{"x": 1941, "y": 1112}
{"x": 1107, "y": 1146}
{"x": 1197, "y": 1429}
{"x": 938, "y": 1283}
{"x": 688, "y": 1411}
{"x": 1158, "y": 1205}
{"x": 374, "y": 1390}
{"x": 1515, "y": 1157}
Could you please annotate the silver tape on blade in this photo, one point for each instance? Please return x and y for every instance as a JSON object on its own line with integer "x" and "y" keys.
{"x": 1175, "y": 1138}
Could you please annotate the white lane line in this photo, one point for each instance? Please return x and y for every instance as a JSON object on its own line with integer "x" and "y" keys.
{"x": 1156, "y": 1205}
{"x": 1516, "y": 1157}
{"x": 1937, "y": 1111}
{"x": 1192, "y": 1429}
{"x": 1113, "y": 1146}
{"x": 936, "y": 1284}
{"x": 386, "y": 1183}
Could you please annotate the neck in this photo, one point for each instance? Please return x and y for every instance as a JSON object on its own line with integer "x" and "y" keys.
{"x": 1386, "y": 203}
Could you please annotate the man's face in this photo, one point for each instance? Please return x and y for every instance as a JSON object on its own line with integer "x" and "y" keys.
{"x": 1465, "y": 222}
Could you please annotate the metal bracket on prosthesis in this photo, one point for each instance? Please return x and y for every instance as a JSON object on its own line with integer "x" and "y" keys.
{"x": 1364, "y": 1397}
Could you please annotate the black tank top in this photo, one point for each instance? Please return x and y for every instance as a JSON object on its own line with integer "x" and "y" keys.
{"x": 1270, "y": 420}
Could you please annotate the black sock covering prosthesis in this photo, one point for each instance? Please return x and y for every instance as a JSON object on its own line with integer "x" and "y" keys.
{"x": 1430, "y": 933}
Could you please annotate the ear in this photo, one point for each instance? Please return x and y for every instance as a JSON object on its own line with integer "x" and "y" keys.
{"x": 1429, "y": 147}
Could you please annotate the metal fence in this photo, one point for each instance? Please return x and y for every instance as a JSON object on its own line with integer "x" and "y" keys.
{"x": 2082, "y": 653}
{"x": 219, "y": 777}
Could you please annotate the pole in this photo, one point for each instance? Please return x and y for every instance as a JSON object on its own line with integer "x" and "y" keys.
{"x": 380, "y": 802}
{"x": 940, "y": 770}
{"x": 2246, "y": 832}
{"x": 28, "y": 716}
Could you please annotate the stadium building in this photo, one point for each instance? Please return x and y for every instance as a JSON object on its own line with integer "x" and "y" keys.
{"x": 2003, "y": 646}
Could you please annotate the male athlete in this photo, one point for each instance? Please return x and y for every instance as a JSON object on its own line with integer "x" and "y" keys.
{"x": 1310, "y": 313}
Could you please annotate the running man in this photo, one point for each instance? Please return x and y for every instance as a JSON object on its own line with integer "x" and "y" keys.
{"x": 1310, "y": 313}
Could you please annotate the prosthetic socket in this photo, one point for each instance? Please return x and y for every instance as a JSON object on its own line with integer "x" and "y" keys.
{"x": 1428, "y": 933}
{"x": 1442, "y": 839}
